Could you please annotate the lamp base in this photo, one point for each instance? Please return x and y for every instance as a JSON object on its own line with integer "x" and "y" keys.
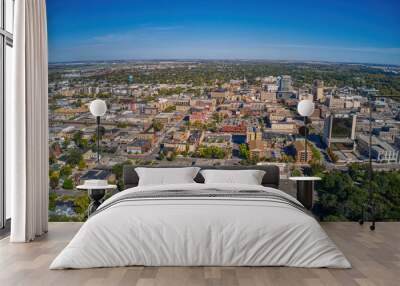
{"x": 305, "y": 192}
{"x": 96, "y": 197}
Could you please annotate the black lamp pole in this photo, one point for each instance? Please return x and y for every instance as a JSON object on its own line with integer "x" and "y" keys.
{"x": 371, "y": 204}
{"x": 370, "y": 170}
{"x": 98, "y": 139}
{"x": 305, "y": 138}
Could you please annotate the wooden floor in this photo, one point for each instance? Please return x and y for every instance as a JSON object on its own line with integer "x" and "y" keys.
{"x": 375, "y": 257}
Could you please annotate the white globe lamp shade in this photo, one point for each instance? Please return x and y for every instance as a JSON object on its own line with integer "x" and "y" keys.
{"x": 305, "y": 108}
{"x": 98, "y": 107}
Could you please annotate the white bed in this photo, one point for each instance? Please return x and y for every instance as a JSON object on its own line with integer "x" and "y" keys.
{"x": 185, "y": 230}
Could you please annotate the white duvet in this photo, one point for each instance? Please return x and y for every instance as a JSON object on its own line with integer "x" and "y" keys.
{"x": 200, "y": 231}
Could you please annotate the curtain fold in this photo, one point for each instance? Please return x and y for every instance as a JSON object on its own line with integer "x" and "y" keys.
{"x": 27, "y": 155}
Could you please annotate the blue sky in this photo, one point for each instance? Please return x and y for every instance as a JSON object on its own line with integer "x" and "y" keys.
{"x": 331, "y": 30}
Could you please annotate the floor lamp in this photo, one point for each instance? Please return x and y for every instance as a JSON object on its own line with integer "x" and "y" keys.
{"x": 305, "y": 108}
{"x": 98, "y": 108}
{"x": 370, "y": 204}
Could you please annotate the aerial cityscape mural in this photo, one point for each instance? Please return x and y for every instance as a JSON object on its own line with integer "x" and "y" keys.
{"x": 221, "y": 110}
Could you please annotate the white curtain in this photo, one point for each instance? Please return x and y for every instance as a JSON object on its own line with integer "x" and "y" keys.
{"x": 27, "y": 123}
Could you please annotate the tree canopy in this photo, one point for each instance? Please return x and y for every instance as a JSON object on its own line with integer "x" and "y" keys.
{"x": 341, "y": 195}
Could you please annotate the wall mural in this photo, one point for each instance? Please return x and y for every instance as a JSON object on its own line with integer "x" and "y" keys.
{"x": 213, "y": 112}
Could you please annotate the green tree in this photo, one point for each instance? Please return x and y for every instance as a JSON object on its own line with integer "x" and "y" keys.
{"x": 73, "y": 157}
{"x": 342, "y": 194}
{"x": 211, "y": 126}
{"x": 317, "y": 169}
{"x": 82, "y": 164}
{"x": 217, "y": 117}
{"x": 171, "y": 156}
{"x": 68, "y": 184}
{"x": 212, "y": 152}
{"x": 197, "y": 124}
{"x": 93, "y": 138}
{"x": 52, "y": 159}
{"x": 296, "y": 173}
{"x": 78, "y": 103}
{"x": 63, "y": 218}
{"x": 84, "y": 143}
{"x": 161, "y": 156}
{"x": 52, "y": 201}
{"x": 65, "y": 143}
{"x": 81, "y": 204}
{"x": 77, "y": 137}
{"x": 118, "y": 170}
{"x": 316, "y": 154}
{"x": 244, "y": 151}
{"x": 54, "y": 180}
{"x": 65, "y": 171}
{"x": 157, "y": 126}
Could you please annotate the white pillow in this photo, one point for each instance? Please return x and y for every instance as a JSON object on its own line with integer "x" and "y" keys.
{"x": 248, "y": 177}
{"x": 166, "y": 176}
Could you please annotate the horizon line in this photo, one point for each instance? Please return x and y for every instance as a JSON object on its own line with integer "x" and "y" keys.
{"x": 222, "y": 59}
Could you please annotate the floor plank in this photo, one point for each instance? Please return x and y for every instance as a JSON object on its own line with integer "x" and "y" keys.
{"x": 375, "y": 257}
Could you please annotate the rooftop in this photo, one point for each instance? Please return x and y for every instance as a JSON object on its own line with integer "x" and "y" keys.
{"x": 95, "y": 175}
{"x": 377, "y": 143}
{"x": 139, "y": 142}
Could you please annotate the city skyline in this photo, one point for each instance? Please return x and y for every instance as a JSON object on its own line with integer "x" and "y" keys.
{"x": 335, "y": 31}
